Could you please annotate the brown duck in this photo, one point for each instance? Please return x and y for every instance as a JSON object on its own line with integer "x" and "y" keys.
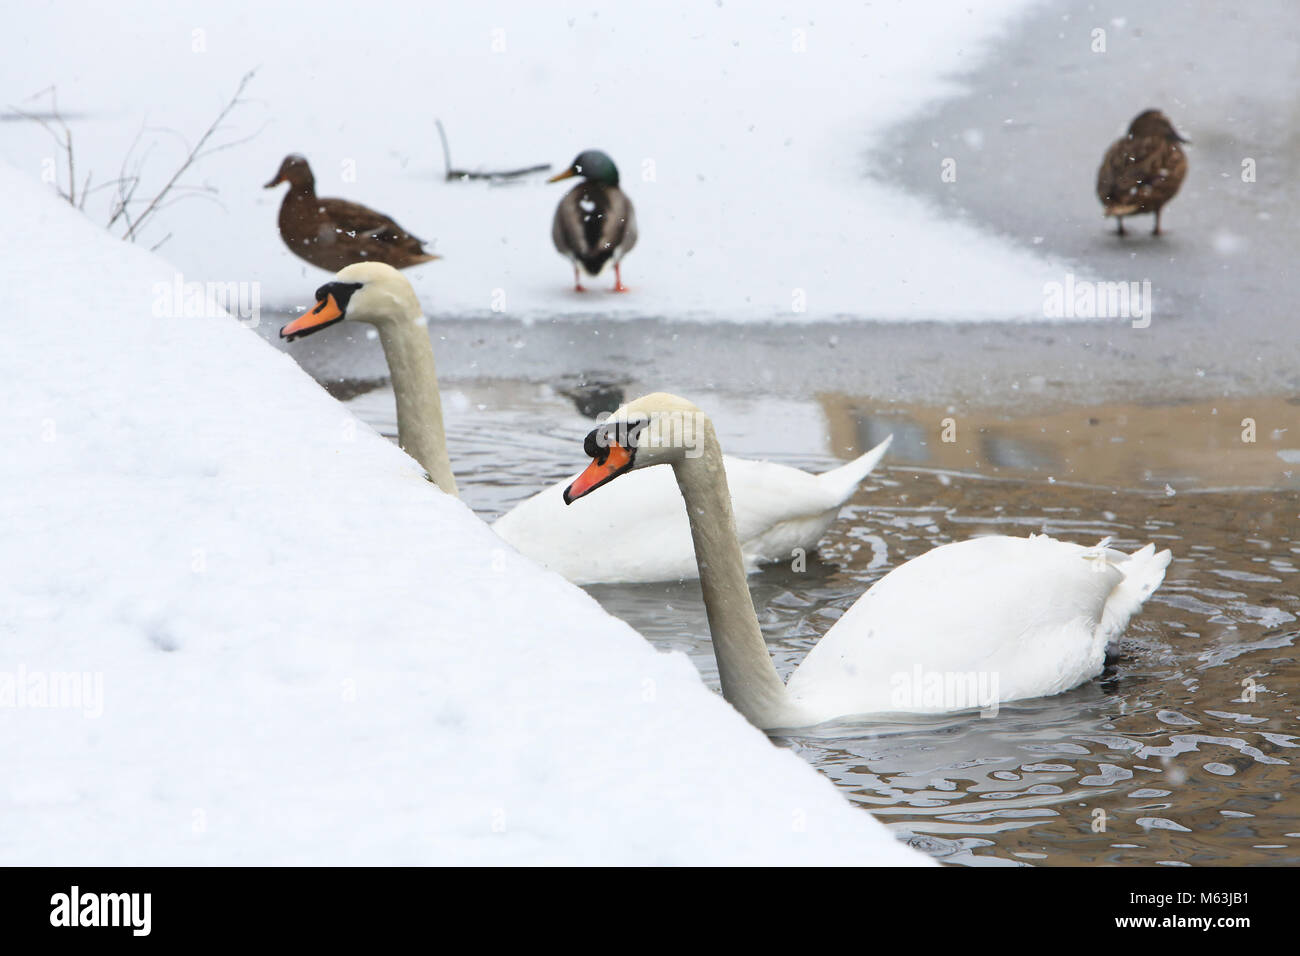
{"x": 1142, "y": 169}
{"x": 333, "y": 233}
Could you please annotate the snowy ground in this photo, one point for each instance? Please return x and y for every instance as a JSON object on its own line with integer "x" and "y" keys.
{"x": 243, "y": 573}
{"x": 742, "y": 132}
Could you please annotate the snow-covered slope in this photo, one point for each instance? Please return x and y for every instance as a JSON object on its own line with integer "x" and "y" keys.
{"x": 742, "y": 131}
{"x": 298, "y": 650}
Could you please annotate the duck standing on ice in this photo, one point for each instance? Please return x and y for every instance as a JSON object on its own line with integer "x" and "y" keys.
{"x": 333, "y": 233}
{"x": 595, "y": 224}
{"x": 1142, "y": 170}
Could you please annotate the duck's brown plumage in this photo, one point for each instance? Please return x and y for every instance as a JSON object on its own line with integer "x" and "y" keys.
{"x": 1142, "y": 170}
{"x": 333, "y": 233}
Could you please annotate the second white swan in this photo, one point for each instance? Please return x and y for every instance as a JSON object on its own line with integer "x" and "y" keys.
{"x": 777, "y": 508}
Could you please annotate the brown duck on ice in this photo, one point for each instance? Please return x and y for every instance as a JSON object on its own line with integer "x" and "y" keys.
{"x": 333, "y": 233}
{"x": 1142, "y": 169}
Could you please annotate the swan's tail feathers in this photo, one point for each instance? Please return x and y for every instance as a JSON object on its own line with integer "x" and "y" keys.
{"x": 1143, "y": 571}
{"x": 841, "y": 482}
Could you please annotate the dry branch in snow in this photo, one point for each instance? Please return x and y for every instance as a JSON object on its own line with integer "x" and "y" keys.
{"x": 129, "y": 178}
{"x": 454, "y": 174}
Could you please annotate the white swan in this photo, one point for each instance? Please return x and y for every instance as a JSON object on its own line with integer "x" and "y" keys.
{"x": 777, "y": 508}
{"x": 1027, "y": 617}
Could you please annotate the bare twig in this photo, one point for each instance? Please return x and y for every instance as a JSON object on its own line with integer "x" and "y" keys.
{"x": 462, "y": 175}
{"x": 126, "y": 187}
{"x": 446, "y": 150}
{"x": 125, "y": 194}
{"x": 72, "y": 170}
{"x": 190, "y": 159}
{"x": 130, "y": 176}
{"x": 123, "y": 178}
{"x": 207, "y": 194}
{"x": 64, "y": 140}
{"x": 233, "y": 143}
{"x": 107, "y": 184}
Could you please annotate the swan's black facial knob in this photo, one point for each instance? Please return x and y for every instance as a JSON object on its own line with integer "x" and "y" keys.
{"x": 342, "y": 292}
{"x": 331, "y": 306}
{"x": 595, "y": 446}
{"x": 623, "y": 432}
{"x": 612, "y": 450}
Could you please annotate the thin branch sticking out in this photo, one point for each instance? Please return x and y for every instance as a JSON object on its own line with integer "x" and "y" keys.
{"x": 194, "y": 155}
{"x": 63, "y": 139}
{"x": 129, "y": 179}
{"x": 463, "y": 175}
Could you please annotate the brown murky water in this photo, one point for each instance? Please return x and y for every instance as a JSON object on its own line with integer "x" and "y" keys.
{"x": 1185, "y": 752}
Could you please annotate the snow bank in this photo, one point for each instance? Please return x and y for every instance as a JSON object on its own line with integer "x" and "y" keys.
{"x": 742, "y": 131}
{"x": 296, "y": 649}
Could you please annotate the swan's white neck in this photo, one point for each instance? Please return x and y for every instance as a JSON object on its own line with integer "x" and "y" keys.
{"x": 749, "y": 678}
{"x": 420, "y": 430}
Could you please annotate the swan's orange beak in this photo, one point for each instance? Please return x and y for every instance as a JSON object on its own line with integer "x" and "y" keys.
{"x": 564, "y": 175}
{"x": 602, "y": 470}
{"x": 327, "y": 312}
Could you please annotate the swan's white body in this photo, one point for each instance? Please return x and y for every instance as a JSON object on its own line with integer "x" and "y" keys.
{"x": 1012, "y": 617}
{"x": 778, "y": 509}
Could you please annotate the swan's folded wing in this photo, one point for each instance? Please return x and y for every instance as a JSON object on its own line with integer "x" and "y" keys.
{"x": 636, "y": 529}
{"x": 355, "y": 219}
{"x": 1022, "y": 613}
{"x": 778, "y": 508}
{"x": 1144, "y": 572}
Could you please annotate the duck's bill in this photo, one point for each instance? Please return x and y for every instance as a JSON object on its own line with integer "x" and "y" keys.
{"x": 599, "y": 472}
{"x": 326, "y": 313}
{"x": 274, "y": 182}
{"x": 564, "y": 175}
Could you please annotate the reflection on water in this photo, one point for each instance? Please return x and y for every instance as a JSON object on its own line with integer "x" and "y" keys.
{"x": 1183, "y": 752}
{"x": 1226, "y": 443}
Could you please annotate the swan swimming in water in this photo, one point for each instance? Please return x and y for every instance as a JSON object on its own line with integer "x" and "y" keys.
{"x": 1034, "y": 613}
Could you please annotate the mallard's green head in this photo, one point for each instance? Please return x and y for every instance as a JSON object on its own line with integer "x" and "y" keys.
{"x": 592, "y": 165}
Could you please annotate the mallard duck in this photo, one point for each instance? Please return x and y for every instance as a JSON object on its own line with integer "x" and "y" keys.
{"x": 1142, "y": 169}
{"x": 333, "y": 233}
{"x": 594, "y": 224}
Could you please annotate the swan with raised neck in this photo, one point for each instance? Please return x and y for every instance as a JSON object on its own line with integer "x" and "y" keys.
{"x": 379, "y": 295}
